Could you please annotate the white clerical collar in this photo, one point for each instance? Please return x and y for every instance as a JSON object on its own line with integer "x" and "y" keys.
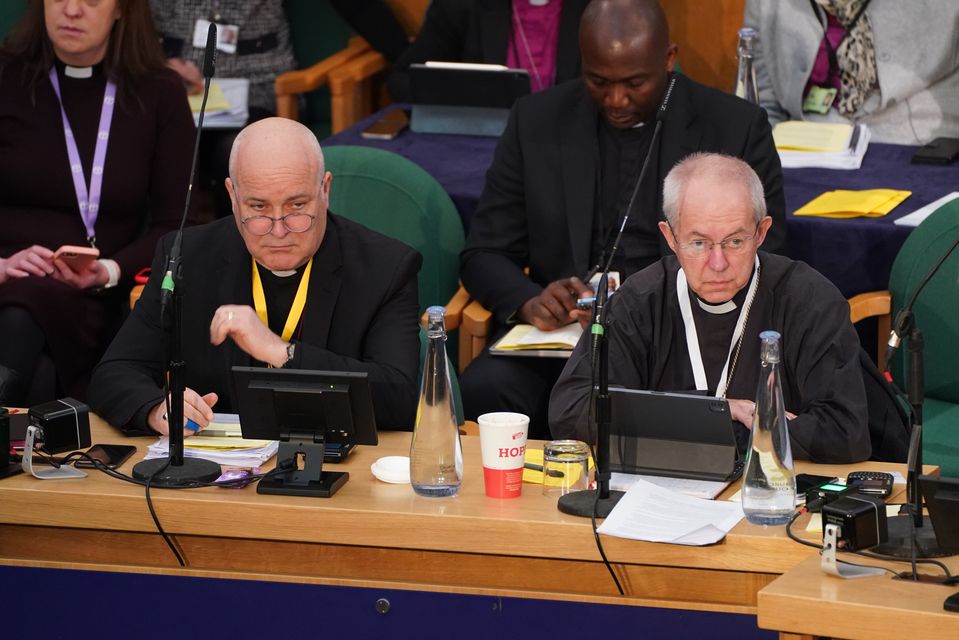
{"x": 77, "y": 72}
{"x": 283, "y": 274}
{"x": 716, "y": 309}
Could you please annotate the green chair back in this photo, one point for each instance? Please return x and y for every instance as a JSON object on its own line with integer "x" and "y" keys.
{"x": 318, "y": 32}
{"x": 937, "y": 316}
{"x": 10, "y": 13}
{"x": 392, "y": 195}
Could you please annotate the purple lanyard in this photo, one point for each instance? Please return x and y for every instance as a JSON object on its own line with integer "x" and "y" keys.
{"x": 89, "y": 203}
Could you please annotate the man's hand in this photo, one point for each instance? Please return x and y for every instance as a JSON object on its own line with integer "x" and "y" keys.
{"x": 33, "y": 261}
{"x": 243, "y": 325}
{"x": 191, "y": 75}
{"x": 93, "y": 274}
{"x": 742, "y": 411}
{"x": 555, "y": 307}
{"x": 195, "y": 407}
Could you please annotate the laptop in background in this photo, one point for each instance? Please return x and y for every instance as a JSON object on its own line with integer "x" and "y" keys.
{"x": 674, "y": 435}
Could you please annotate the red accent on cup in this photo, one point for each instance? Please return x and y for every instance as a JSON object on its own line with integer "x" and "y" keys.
{"x": 503, "y": 483}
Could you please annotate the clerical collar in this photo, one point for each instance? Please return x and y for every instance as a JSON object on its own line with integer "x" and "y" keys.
{"x": 283, "y": 274}
{"x": 79, "y": 73}
{"x": 724, "y": 307}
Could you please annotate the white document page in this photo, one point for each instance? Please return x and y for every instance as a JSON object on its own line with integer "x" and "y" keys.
{"x": 652, "y": 513}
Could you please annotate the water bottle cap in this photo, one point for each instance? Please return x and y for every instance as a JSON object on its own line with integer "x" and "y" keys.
{"x": 769, "y": 350}
{"x": 748, "y": 33}
{"x": 436, "y": 313}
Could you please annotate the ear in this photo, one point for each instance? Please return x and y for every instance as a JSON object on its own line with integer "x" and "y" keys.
{"x": 671, "y": 52}
{"x": 327, "y": 181}
{"x": 668, "y": 235}
{"x": 764, "y": 225}
{"x": 228, "y": 183}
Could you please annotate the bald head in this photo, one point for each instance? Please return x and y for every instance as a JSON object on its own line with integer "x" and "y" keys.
{"x": 622, "y": 23}
{"x": 717, "y": 172}
{"x": 627, "y": 58}
{"x": 280, "y": 191}
{"x": 277, "y": 141}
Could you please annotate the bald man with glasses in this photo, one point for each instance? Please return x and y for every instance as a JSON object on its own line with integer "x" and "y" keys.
{"x": 692, "y": 321}
{"x": 284, "y": 283}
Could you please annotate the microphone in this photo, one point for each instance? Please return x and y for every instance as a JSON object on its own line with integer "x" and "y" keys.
{"x": 599, "y": 502}
{"x": 173, "y": 262}
{"x": 904, "y": 319}
{"x": 174, "y": 470}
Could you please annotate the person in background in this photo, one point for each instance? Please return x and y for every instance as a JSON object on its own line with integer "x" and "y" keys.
{"x": 283, "y": 283}
{"x": 537, "y": 35}
{"x": 562, "y": 176}
{"x": 890, "y": 65}
{"x": 95, "y": 145}
{"x": 692, "y": 321}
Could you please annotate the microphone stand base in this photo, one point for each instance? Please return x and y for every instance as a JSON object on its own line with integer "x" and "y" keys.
{"x": 899, "y": 544}
{"x": 581, "y": 503}
{"x": 192, "y": 470}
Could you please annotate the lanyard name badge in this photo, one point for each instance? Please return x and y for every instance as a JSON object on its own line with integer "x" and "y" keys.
{"x": 88, "y": 199}
{"x": 692, "y": 337}
{"x": 296, "y": 310}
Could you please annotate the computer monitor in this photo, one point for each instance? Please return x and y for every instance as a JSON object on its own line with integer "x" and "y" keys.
{"x": 304, "y": 410}
{"x": 942, "y": 501}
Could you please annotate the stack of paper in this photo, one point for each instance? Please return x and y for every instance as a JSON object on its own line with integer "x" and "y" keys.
{"x": 655, "y": 514}
{"x": 524, "y": 337}
{"x": 870, "y": 203}
{"x": 825, "y": 145}
{"x": 706, "y": 489}
{"x": 916, "y": 217}
{"x": 226, "y": 106}
{"x": 222, "y": 443}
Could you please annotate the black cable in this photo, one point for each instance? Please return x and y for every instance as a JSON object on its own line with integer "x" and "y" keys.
{"x": 156, "y": 520}
{"x": 599, "y": 543}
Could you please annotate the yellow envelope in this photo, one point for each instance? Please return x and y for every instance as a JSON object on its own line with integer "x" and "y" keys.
{"x": 872, "y": 203}
{"x": 215, "y": 101}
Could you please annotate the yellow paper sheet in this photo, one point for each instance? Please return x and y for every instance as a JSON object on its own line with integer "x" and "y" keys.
{"x": 797, "y": 135}
{"x": 872, "y": 203}
{"x": 525, "y": 336}
{"x": 216, "y": 101}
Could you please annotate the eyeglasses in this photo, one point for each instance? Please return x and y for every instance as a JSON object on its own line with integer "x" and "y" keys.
{"x": 729, "y": 246}
{"x": 294, "y": 223}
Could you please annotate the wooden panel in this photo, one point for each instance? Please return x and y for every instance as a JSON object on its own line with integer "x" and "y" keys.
{"x": 805, "y": 600}
{"x": 706, "y": 35}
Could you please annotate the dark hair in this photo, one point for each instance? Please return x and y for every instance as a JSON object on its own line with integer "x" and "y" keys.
{"x": 133, "y": 50}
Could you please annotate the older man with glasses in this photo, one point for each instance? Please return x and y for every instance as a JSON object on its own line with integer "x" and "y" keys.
{"x": 692, "y": 321}
{"x": 285, "y": 284}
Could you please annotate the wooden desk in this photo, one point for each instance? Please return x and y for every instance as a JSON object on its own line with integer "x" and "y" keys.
{"x": 375, "y": 534}
{"x": 807, "y": 601}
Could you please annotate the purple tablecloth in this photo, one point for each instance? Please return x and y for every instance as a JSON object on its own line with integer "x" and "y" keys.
{"x": 856, "y": 254}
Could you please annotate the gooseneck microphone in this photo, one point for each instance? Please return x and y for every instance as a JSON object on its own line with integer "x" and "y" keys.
{"x": 600, "y": 501}
{"x": 174, "y": 470}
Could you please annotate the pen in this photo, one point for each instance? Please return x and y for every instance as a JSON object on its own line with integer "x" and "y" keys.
{"x": 552, "y": 473}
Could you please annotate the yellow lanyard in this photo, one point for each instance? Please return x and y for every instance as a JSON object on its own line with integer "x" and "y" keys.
{"x": 259, "y": 301}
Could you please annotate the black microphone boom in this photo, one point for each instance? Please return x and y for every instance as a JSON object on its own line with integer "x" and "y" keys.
{"x": 175, "y": 470}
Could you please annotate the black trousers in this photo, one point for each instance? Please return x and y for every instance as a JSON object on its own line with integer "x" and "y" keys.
{"x": 511, "y": 383}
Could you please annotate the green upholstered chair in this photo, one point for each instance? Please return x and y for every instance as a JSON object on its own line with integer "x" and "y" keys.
{"x": 322, "y": 42}
{"x": 937, "y": 315}
{"x": 392, "y": 195}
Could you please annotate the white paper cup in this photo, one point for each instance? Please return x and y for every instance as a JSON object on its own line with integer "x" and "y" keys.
{"x": 503, "y": 444}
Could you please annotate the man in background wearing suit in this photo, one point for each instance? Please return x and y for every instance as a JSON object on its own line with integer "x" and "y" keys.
{"x": 285, "y": 283}
{"x": 561, "y": 178}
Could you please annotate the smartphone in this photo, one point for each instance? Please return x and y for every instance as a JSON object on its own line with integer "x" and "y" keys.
{"x": 388, "y": 127}
{"x": 77, "y": 257}
{"x": 807, "y": 481}
{"x": 939, "y": 151}
{"x": 112, "y": 455}
{"x": 585, "y": 303}
{"x": 877, "y": 483}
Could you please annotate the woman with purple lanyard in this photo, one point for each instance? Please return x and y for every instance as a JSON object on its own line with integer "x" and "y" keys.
{"x": 96, "y": 137}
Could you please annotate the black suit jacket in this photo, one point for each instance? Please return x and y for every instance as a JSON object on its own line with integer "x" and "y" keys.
{"x": 479, "y": 31}
{"x": 537, "y": 207}
{"x": 361, "y": 315}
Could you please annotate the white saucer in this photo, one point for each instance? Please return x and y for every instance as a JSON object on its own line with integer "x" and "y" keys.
{"x": 392, "y": 469}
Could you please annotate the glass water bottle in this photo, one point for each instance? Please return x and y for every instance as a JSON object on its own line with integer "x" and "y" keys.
{"x": 769, "y": 485}
{"x": 436, "y": 457}
{"x": 746, "y": 87}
